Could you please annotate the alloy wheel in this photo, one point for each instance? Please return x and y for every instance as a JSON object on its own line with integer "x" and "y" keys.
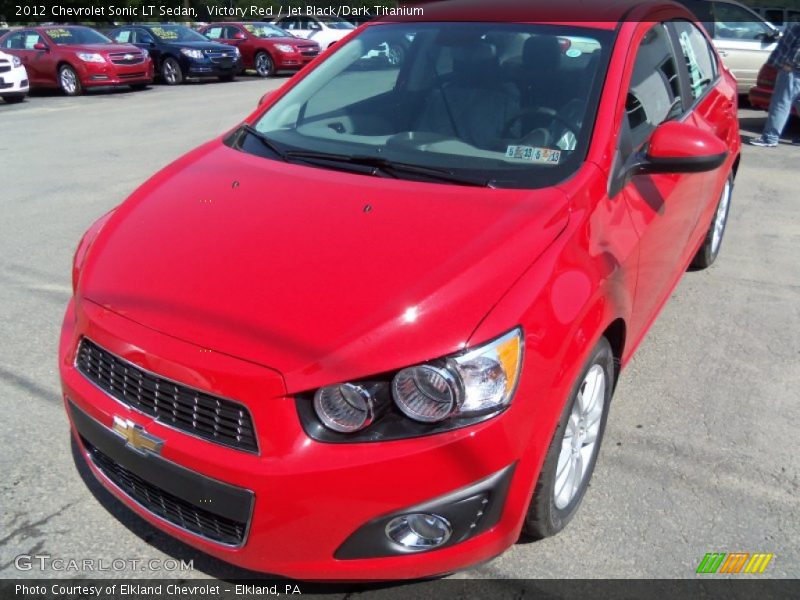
{"x": 579, "y": 444}
{"x": 170, "y": 72}
{"x": 263, "y": 65}
{"x": 69, "y": 81}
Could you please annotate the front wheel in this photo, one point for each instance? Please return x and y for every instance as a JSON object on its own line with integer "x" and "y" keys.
{"x": 709, "y": 251}
{"x": 573, "y": 450}
{"x": 171, "y": 71}
{"x": 69, "y": 82}
{"x": 265, "y": 67}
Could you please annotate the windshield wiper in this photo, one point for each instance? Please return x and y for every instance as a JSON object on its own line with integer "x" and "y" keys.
{"x": 389, "y": 167}
{"x": 268, "y": 143}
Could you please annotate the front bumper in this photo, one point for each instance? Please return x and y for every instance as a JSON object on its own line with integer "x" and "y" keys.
{"x": 292, "y": 61}
{"x": 309, "y": 497}
{"x": 109, "y": 74}
{"x": 207, "y": 67}
{"x": 14, "y": 82}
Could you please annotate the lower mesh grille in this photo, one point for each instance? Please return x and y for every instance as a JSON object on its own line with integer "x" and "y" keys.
{"x": 177, "y": 511}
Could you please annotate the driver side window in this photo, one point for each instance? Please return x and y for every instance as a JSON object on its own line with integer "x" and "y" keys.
{"x": 654, "y": 93}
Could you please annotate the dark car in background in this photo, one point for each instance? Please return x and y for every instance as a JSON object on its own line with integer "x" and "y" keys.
{"x": 74, "y": 58}
{"x": 180, "y": 53}
{"x": 264, "y": 47}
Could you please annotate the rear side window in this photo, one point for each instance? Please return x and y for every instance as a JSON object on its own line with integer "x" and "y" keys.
{"x": 654, "y": 94}
{"x": 700, "y": 59}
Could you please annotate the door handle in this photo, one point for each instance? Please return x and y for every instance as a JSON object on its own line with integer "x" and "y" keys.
{"x": 722, "y": 53}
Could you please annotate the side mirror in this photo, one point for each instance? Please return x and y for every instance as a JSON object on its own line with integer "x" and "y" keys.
{"x": 674, "y": 147}
{"x": 41, "y": 46}
{"x": 239, "y": 36}
{"x": 266, "y": 97}
{"x": 680, "y": 148}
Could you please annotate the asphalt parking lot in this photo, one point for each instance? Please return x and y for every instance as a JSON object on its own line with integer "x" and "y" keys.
{"x": 700, "y": 454}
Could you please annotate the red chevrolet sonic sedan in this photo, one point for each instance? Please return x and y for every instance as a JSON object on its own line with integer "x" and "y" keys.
{"x": 265, "y": 47}
{"x": 374, "y": 331}
{"x": 74, "y": 58}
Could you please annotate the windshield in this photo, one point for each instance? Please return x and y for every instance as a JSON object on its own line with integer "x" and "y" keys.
{"x": 265, "y": 30}
{"x": 509, "y": 104}
{"x": 177, "y": 33}
{"x": 64, "y": 36}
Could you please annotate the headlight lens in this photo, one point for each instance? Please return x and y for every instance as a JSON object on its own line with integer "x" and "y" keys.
{"x": 452, "y": 392}
{"x": 284, "y": 48}
{"x": 16, "y": 62}
{"x": 489, "y": 373}
{"x": 344, "y": 408}
{"x": 426, "y": 393}
{"x": 145, "y": 53}
{"x": 236, "y": 51}
{"x": 91, "y": 57}
{"x": 191, "y": 53}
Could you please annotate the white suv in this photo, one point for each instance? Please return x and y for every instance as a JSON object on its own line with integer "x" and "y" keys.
{"x": 13, "y": 78}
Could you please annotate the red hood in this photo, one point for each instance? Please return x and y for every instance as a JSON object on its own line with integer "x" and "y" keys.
{"x": 319, "y": 274}
{"x": 103, "y": 49}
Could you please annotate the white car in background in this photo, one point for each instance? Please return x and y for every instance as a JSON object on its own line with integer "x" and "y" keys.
{"x": 325, "y": 32}
{"x": 13, "y": 79}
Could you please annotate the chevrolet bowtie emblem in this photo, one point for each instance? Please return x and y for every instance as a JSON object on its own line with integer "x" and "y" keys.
{"x": 129, "y": 57}
{"x": 136, "y": 438}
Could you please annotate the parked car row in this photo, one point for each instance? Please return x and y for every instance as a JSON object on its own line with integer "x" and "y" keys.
{"x": 74, "y": 58}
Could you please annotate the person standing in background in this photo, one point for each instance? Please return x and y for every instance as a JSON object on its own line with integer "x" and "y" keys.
{"x": 785, "y": 58}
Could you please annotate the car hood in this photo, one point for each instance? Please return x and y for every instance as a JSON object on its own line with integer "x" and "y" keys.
{"x": 319, "y": 274}
{"x": 199, "y": 45}
{"x": 101, "y": 48}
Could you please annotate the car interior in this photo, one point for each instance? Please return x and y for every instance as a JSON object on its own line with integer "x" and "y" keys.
{"x": 468, "y": 91}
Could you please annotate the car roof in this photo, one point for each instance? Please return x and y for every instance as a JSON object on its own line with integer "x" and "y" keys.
{"x": 605, "y": 14}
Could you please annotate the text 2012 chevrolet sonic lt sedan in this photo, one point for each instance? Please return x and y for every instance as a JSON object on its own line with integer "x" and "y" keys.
{"x": 374, "y": 331}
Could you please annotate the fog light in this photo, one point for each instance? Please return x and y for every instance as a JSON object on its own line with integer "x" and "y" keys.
{"x": 419, "y": 531}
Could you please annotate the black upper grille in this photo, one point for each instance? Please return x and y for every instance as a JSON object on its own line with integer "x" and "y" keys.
{"x": 4, "y": 69}
{"x": 121, "y": 58}
{"x": 215, "y": 419}
{"x": 171, "y": 508}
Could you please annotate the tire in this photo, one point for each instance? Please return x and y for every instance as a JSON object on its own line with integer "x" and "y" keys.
{"x": 709, "y": 251}
{"x": 264, "y": 65}
{"x": 171, "y": 71}
{"x": 13, "y": 99}
{"x": 556, "y": 499}
{"x": 68, "y": 81}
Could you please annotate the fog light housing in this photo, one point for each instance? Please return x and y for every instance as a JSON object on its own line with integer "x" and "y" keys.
{"x": 419, "y": 531}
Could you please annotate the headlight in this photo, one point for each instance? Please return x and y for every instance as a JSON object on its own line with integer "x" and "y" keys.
{"x": 236, "y": 51}
{"x": 196, "y": 54}
{"x": 91, "y": 57}
{"x": 16, "y": 61}
{"x": 145, "y": 53}
{"x": 441, "y": 395}
{"x": 284, "y": 48}
{"x": 344, "y": 408}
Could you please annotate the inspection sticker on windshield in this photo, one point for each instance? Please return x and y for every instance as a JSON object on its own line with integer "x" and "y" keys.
{"x": 534, "y": 154}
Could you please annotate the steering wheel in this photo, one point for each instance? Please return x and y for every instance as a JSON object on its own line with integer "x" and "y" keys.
{"x": 538, "y": 111}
